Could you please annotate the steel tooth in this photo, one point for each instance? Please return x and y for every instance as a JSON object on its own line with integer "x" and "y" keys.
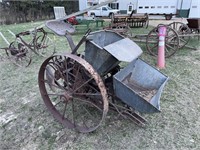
{"x": 50, "y": 78}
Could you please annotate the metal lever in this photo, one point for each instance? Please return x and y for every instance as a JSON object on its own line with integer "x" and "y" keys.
{"x": 81, "y": 41}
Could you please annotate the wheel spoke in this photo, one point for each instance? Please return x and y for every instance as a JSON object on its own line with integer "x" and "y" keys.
{"x": 54, "y": 94}
{"x": 181, "y": 29}
{"x": 183, "y": 40}
{"x": 89, "y": 102}
{"x": 166, "y": 50}
{"x": 82, "y": 85}
{"x": 167, "y": 45}
{"x": 53, "y": 79}
{"x": 63, "y": 116}
{"x": 86, "y": 94}
{"x": 67, "y": 74}
{"x": 152, "y": 48}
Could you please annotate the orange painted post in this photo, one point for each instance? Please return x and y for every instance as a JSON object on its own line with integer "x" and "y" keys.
{"x": 161, "y": 47}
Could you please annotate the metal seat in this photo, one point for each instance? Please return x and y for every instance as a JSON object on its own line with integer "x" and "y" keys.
{"x": 61, "y": 28}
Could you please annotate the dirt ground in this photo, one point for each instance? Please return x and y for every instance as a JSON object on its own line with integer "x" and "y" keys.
{"x": 25, "y": 122}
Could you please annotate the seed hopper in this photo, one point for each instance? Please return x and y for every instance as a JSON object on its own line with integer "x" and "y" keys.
{"x": 79, "y": 88}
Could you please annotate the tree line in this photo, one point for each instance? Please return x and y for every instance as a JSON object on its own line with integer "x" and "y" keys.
{"x": 26, "y": 11}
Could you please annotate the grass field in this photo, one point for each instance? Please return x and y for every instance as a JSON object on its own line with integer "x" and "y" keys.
{"x": 25, "y": 122}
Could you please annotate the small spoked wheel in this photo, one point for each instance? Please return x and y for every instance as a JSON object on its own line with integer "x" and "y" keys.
{"x": 122, "y": 28}
{"x": 19, "y": 54}
{"x": 73, "y": 92}
{"x": 182, "y": 30}
{"x": 171, "y": 41}
{"x": 44, "y": 46}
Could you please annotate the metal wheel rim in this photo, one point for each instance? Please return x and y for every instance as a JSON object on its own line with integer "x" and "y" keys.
{"x": 171, "y": 41}
{"x": 22, "y": 59}
{"x": 182, "y": 30}
{"x": 46, "y": 47}
{"x": 67, "y": 122}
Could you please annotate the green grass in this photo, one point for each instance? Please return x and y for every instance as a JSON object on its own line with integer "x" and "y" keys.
{"x": 176, "y": 127}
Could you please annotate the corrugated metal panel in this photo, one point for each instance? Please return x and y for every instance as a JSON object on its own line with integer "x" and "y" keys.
{"x": 195, "y": 9}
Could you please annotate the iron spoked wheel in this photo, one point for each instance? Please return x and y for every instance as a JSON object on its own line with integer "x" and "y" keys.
{"x": 171, "y": 41}
{"x": 44, "y": 46}
{"x": 19, "y": 54}
{"x": 182, "y": 30}
{"x": 73, "y": 92}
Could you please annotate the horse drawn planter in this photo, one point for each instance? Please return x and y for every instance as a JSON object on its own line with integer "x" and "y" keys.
{"x": 79, "y": 89}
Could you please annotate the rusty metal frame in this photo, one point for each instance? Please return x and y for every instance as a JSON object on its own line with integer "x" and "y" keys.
{"x": 35, "y": 45}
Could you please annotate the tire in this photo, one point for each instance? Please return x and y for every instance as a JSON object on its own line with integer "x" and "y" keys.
{"x": 111, "y": 15}
{"x": 92, "y": 15}
{"x": 168, "y": 16}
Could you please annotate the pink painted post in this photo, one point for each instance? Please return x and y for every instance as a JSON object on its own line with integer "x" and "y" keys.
{"x": 161, "y": 48}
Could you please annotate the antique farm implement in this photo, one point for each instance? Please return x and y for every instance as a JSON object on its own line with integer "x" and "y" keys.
{"x": 178, "y": 35}
{"x": 122, "y": 23}
{"x": 19, "y": 51}
{"x": 79, "y": 87}
{"x": 132, "y": 20}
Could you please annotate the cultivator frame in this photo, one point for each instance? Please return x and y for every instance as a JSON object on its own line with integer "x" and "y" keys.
{"x": 20, "y": 50}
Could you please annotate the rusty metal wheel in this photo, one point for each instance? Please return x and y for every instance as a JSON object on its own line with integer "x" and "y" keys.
{"x": 44, "y": 46}
{"x": 171, "y": 41}
{"x": 183, "y": 30}
{"x": 73, "y": 92}
{"x": 19, "y": 54}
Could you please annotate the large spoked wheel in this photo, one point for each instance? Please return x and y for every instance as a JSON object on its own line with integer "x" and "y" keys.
{"x": 19, "y": 54}
{"x": 44, "y": 46}
{"x": 182, "y": 30}
{"x": 171, "y": 41}
{"x": 73, "y": 92}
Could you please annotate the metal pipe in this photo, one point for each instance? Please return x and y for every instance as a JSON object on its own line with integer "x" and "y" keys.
{"x": 12, "y": 33}
{"x": 4, "y": 39}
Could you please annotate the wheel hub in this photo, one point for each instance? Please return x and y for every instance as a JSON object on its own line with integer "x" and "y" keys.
{"x": 66, "y": 96}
